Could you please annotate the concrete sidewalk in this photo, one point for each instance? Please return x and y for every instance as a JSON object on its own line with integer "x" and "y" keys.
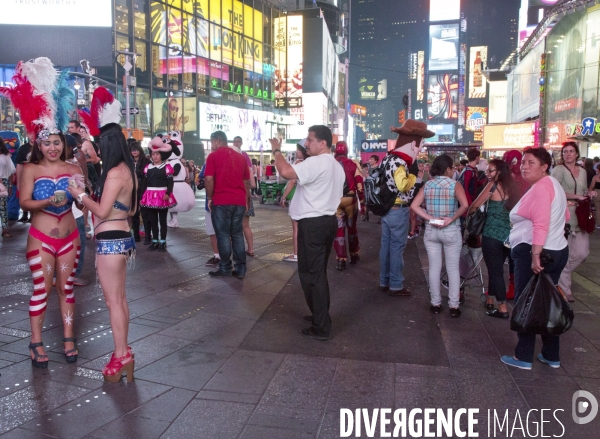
{"x": 224, "y": 358}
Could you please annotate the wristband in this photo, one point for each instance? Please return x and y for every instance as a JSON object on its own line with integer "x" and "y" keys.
{"x": 80, "y": 197}
{"x": 535, "y": 254}
{"x": 276, "y": 150}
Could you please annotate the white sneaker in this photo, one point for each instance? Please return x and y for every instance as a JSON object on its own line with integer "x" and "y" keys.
{"x": 173, "y": 224}
{"x": 290, "y": 258}
{"x": 597, "y": 227}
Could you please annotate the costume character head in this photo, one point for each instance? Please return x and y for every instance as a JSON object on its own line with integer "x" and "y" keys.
{"x": 163, "y": 145}
{"x": 104, "y": 110}
{"x": 513, "y": 158}
{"x": 341, "y": 149}
{"x": 410, "y": 138}
{"x": 175, "y": 140}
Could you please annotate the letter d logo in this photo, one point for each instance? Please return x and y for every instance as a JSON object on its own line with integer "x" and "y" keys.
{"x": 580, "y": 407}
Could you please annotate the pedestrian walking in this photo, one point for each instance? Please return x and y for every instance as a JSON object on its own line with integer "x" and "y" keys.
{"x": 248, "y": 235}
{"x": 500, "y": 195}
{"x": 227, "y": 183}
{"x": 538, "y": 225}
{"x": 395, "y": 223}
{"x": 7, "y": 170}
{"x": 319, "y": 189}
{"x": 573, "y": 180}
{"x": 445, "y": 203}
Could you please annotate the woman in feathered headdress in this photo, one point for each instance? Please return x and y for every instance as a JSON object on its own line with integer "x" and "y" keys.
{"x": 114, "y": 244}
{"x": 53, "y": 245}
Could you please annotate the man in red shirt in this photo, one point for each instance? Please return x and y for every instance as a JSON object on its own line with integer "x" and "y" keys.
{"x": 227, "y": 184}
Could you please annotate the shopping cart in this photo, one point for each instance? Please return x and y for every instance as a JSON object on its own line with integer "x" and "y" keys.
{"x": 469, "y": 266}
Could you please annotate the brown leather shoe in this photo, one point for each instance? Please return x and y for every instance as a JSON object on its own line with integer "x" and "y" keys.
{"x": 384, "y": 288}
{"x": 403, "y": 292}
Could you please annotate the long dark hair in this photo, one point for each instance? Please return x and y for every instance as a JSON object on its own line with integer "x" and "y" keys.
{"x": 137, "y": 146}
{"x": 36, "y": 152}
{"x": 114, "y": 151}
{"x": 3, "y": 149}
{"x": 506, "y": 180}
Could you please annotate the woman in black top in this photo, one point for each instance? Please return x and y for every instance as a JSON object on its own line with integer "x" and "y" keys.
{"x": 140, "y": 161}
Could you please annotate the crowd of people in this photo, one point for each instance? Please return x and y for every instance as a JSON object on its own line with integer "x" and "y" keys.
{"x": 530, "y": 207}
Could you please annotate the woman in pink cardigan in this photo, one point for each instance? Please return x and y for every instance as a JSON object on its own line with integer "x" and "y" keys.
{"x": 538, "y": 221}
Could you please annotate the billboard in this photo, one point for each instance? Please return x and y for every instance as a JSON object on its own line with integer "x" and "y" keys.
{"x": 443, "y": 47}
{"x": 288, "y": 61}
{"x": 249, "y": 124}
{"x": 524, "y": 87}
{"x": 358, "y": 109}
{"x": 372, "y": 90}
{"x": 444, "y": 10}
{"x": 498, "y": 102}
{"x": 513, "y": 136}
{"x": 443, "y": 133}
{"x": 373, "y": 147}
{"x": 413, "y": 65}
{"x": 442, "y": 96}
{"x": 477, "y": 63}
{"x": 58, "y": 13}
{"x": 232, "y": 34}
{"x": 476, "y": 118}
{"x": 420, "y": 76}
{"x": 174, "y": 114}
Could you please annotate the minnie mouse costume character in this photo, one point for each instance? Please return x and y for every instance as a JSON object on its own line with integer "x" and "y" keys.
{"x": 158, "y": 195}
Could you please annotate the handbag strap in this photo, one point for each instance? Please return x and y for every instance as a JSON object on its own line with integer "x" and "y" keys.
{"x": 492, "y": 190}
{"x": 574, "y": 179}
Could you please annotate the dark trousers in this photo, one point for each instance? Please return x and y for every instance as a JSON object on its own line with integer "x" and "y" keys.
{"x": 155, "y": 218}
{"x": 147, "y": 223}
{"x": 135, "y": 223}
{"x": 521, "y": 255}
{"x": 494, "y": 255}
{"x": 315, "y": 240}
{"x": 227, "y": 222}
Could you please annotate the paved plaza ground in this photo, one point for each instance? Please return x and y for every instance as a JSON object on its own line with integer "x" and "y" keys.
{"x": 224, "y": 358}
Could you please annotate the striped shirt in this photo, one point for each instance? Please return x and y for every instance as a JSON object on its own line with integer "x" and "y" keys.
{"x": 440, "y": 200}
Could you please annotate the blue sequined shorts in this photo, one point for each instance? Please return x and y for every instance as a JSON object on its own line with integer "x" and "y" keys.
{"x": 120, "y": 243}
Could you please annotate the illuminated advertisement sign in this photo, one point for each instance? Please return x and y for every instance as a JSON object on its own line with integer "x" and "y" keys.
{"x": 250, "y": 125}
{"x": 442, "y": 96}
{"x": 477, "y": 64}
{"x": 372, "y": 91}
{"x": 413, "y": 65}
{"x": 514, "y": 136}
{"x": 358, "y": 109}
{"x": 476, "y": 118}
{"x": 462, "y": 70}
{"x": 498, "y": 102}
{"x": 58, "y": 13}
{"x": 288, "y": 61}
{"x": 232, "y": 34}
{"x": 525, "y": 87}
{"x": 174, "y": 114}
{"x": 443, "y": 133}
{"x": 444, "y": 10}
{"x": 443, "y": 47}
{"x": 420, "y": 76}
{"x": 329, "y": 65}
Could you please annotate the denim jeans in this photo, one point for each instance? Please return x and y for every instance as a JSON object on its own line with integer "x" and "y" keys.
{"x": 521, "y": 254}
{"x": 394, "y": 234}
{"x": 449, "y": 240}
{"x": 227, "y": 221}
{"x": 83, "y": 239}
{"x": 494, "y": 255}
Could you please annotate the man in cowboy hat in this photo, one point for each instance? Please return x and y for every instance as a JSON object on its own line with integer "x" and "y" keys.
{"x": 394, "y": 224}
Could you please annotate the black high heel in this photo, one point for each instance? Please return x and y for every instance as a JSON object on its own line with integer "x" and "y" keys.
{"x": 71, "y": 358}
{"x": 34, "y": 361}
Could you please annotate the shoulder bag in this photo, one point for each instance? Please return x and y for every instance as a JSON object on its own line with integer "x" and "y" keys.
{"x": 476, "y": 221}
{"x": 583, "y": 211}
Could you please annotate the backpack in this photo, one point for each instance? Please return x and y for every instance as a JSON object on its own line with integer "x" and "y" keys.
{"x": 379, "y": 198}
{"x": 472, "y": 189}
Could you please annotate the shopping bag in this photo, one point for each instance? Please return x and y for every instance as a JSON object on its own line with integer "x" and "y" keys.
{"x": 541, "y": 309}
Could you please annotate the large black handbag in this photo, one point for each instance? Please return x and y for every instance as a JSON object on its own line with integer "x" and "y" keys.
{"x": 476, "y": 221}
{"x": 541, "y": 309}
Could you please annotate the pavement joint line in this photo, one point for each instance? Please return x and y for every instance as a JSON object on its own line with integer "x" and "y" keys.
{"x": 586, "y": 283}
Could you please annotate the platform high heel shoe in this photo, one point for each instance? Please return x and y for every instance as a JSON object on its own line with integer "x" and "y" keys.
{"x": 115, "y": 368}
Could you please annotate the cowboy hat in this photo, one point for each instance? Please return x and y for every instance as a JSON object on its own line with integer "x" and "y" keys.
{"x": 413, "y": 127}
